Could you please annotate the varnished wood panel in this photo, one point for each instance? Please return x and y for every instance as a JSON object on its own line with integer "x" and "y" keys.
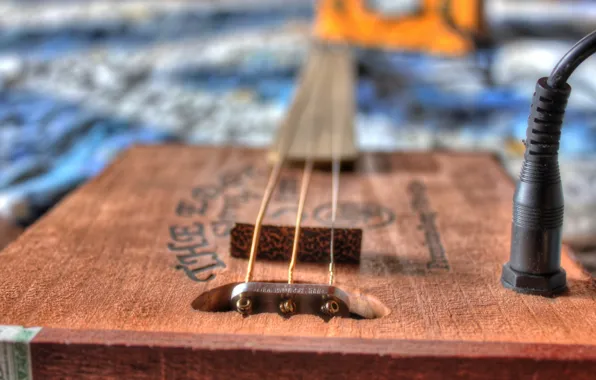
{"x": 133, "y": 355}
{"x": 118, "y": 255}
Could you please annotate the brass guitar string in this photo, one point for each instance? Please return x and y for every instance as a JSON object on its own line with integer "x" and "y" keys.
{"x": 335, "y": 170}
{"x": 336, "y": 139}
{"x": 306, "y": 175}
{"x": 285, "y": 143}
{"x": 308, "y": 167}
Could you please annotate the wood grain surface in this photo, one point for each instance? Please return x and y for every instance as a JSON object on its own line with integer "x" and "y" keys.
{"x": 132, "y": 249}
{"x": 135, "y": 355}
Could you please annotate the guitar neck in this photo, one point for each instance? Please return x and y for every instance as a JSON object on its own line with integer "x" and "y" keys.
{"x": 320, "y": 121}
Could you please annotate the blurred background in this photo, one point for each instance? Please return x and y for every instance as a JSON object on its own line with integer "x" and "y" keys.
{"x": 80, "y": 81}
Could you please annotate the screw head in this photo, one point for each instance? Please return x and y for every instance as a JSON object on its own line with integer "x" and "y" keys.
{"x": 244, "y": 305}
{"x": 330, "y": 307}
{"x": 287, "y": 307}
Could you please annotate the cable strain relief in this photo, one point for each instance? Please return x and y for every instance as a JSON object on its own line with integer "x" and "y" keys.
{"x": 545, "y": 122}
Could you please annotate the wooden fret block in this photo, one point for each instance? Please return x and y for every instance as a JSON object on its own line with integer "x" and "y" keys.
{"x": 115, "y": 273}
{"x": 315, "y": 243}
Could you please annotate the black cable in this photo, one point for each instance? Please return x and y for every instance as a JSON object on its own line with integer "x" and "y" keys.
{"x": 574, "y": 57}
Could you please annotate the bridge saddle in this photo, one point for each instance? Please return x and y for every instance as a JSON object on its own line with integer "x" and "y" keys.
{"x": 286, "y": 299}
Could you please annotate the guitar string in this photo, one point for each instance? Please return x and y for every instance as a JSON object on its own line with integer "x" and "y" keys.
{"x": 306, "y": 175}
{"x": 308, "y": 168}
{"x": 335, "y": 170}
{"x": 285, "y": 143}
{"x": 334, "y": 195}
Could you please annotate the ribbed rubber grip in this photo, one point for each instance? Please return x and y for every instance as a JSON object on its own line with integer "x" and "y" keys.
{"x": 546, "y": 118}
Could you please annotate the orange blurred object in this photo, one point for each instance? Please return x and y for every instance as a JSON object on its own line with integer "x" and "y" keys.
{"x": 441, "y": 27}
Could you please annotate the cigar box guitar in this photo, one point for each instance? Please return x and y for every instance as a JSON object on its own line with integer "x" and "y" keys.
{"x": 310, "y": 260}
